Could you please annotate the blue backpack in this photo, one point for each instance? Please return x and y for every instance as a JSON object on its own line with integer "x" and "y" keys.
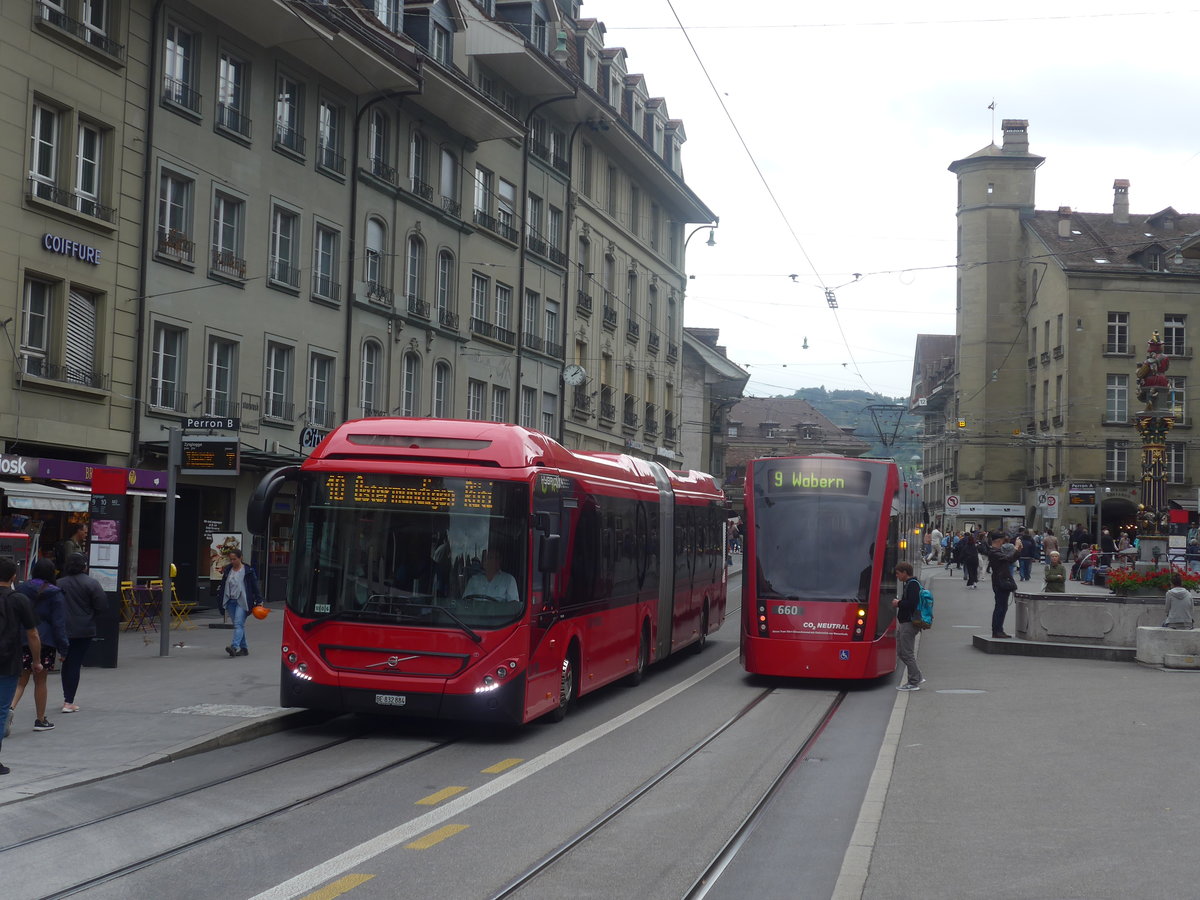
{"x": 923, "y": 616}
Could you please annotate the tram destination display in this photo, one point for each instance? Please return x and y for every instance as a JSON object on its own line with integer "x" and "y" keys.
{"x": 818, "y": 479}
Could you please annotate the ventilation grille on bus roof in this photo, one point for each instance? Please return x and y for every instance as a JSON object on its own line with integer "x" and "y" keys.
{"x": 417, "y": 441}
{"x": 444, "y": 460}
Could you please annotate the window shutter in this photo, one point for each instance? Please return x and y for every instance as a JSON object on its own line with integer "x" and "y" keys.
{"x": 80, "y": 357}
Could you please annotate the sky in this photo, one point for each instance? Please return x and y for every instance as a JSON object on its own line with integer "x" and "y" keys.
{"x": 821, "y": 137}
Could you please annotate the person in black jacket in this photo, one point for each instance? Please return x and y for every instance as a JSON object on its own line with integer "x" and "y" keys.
{"x": 51, "y": 613}
{"x": 1001, "y": 556}
{"x": 906, "y": 632}
{"x": 85, "y": 600}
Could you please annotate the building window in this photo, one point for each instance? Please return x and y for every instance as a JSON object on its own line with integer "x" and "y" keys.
{"x": 439, "y": 44}
{"x": 220, "y": 378}
{"x": 635, "y": 209}
{"x": 374, "y": 271}
{"x": 585, "y": 167}
{"x": 410, "y": 385}
{"x": 533, "y": 217}
{"x": 533, "y": 303}
{"x": 1175, "y": 335}
{"x": 503, "y": 306}
{"x": 233, "y": 96}
{"x": 43, "y": 166}
{"x": 549, "y": 414}
{"x": 613, "y": 186}
{"x": 389, "y": 12}
{"x": 445, "y": 286}
{"x": 1116, "y": 408}
{"x": 528, "y": 407}
{"x": 289, "y": 113}
{"x": 285, "y": 250}
{"x": 554, "y": 228}
{"x": 166, "y": 368}
{"x": 179, "y": 68}
{"x": 329, "y": 138}
{"x": 174, "y": 238}
{"x": 418, "y": 150}
{"x": 1176, "y": 396}
{"x": 631, "y": 295}
{"x": 499, "y": 404}
{"x": 320, "y": 390}
{"x": 476, "y": 390}
{"x": 448, "y": 182}
{"x": 325, "y": 263}
{"x": 1118, "y": 333}
{"x": 483, "y": 194}
{"x": 1116, "y": 461}
{"x": 36, "y": 325}
{"x": 87, "y": 170}
{"x": 1176, "y": 452}
{"x": 441, "y": 390}
{"x": 415, "y": 274}
{"x": 480, "y": 289}
{"x": 277, "y": 387}
{"x": 227, "y": 237}
{"x": 551, "y": 334}
{"x": 368, "y": 379}
{"x": 377, "y": 146}
{"x": 506, "y": 209}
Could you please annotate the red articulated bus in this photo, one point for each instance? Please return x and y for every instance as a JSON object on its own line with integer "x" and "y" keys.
{"x": 823, "y": 536}
{"x": 481, "y": 571}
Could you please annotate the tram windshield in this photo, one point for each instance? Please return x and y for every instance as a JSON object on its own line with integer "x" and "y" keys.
{"x": 411, "y": 550}
{"x": 815, "y": 524}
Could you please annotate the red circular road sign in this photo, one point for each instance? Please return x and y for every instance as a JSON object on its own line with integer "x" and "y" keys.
{"x": 952, "y": 501}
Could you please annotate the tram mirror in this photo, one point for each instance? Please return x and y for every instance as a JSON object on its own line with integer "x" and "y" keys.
{"x": 548, "y": 551}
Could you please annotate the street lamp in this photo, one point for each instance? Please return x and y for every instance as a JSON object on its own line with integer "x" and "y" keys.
{"x": 712, "y": 241}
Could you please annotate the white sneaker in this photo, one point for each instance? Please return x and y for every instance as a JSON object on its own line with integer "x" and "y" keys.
{"x": 908, "y": 687}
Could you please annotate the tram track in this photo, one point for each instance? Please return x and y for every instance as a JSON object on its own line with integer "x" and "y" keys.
{"x": 609, "y": 818}
{"x": 184, "y": 846}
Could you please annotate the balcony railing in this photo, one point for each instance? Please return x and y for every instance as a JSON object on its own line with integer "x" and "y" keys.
{"x": 672, "y": 350}
{"x": 163, "y": 396}
{"x": 1117, "y": 348}
{"x": 380, "y": 169}
{"x": 281, "y": 272}
{"x": 232, "y": 119}
{"x": 221, "y": 407}
{"x": 608, "y": 406}
{"x": 651, "y": 419}
{"x": 227, "y": 263}
{"x": 176, "y": 245}
{"x": 180, "y": 93}
{"x": 278, "y": 408}
{"x": 535, "y": 244}
{"x": 652, "y": 341}
{"x": 80, "y": 30}
{"x": 448, "y": 319}
{"x": 325, "y": 286}
{"x": 495, "y": 332}
{"x": 377, "y": 293}
{"x": 533, "y": 341}
{"x": 555, "y": 350}
{"x": 629, "y": 417}
{"x": 669, "y": 433}
{"x": 421, "y": 188}
{"x": 40, "y": 367}
{"x": 417, "y": 306}
{"x": 583, "y": 303}
{"x": 1177, "y": 350}
{"x": 494, "y": 225}
{"x": 289, "y": 138}
{"x": 483, "y": 220}
{"x": 1032, "y": 362}
{"x": 45, "y": 190}
{"x": 556, "y": 256}
{"x": 581, "y": 399}
{"x": 329, "y": 158}
{"x": 610, "y": 317}
{"x": 452, "y": 206}
{"x": 1058, "y": 352}
{"x": 632, "y": 330}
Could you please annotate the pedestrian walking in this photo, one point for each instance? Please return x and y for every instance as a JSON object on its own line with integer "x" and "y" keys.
{"x": 969, "y": 555}
{"x": 1001, "y": 555}
{"x": 238, "y": 595}
{"x": 16, "y": 622}
{"x": 906, "y": 632}
{"x": 85, "y": 600}
{"x": 50, "y": 611}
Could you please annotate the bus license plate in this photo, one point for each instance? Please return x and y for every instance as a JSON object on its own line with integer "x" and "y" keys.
{"x": 390, "y": 699}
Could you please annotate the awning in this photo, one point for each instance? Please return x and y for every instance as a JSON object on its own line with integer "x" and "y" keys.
{"x": 27, "y": 495}
{"x": 1189, "y": 505}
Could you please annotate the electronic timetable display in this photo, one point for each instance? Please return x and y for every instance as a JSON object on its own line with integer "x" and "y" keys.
{"x": 405, "y": 492}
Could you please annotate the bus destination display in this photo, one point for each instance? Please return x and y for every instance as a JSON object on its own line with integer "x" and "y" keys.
{"x": 382, "y": 491}
{"x": 819, "y": 480}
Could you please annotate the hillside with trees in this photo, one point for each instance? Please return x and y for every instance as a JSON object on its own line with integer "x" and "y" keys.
{"x": 850, "y": 409}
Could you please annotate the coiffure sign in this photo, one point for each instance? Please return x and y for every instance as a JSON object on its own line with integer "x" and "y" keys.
{"x": 65, "y": 246}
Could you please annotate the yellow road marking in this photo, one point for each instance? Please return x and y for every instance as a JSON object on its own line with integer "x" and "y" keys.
{"x": 436, "y": 837}
{"x": 503, "y": 765}
{"x": 337, "y": 888}
{"x": 443, "y": 794}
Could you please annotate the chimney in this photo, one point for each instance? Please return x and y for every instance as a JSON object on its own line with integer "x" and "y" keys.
{"x": 1121, "y": 201}
{"x": 1016, "y": 135}
{"x": 1064, "y": 222}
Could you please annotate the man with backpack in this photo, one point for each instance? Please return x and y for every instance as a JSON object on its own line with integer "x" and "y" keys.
{"x": 16, "y": 616}
{"x": 906, "y": 630}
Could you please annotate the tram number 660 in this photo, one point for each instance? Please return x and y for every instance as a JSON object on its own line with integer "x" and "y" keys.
{"x": 787, "y": 610}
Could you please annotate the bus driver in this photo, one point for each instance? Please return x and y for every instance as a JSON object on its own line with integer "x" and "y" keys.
{"x": 491, "y": 582}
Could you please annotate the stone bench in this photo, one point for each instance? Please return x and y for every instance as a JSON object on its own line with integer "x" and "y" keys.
{"x": 1171, "y": 648}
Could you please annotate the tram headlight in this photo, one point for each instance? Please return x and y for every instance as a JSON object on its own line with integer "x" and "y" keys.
{"x": 501, "y": 671}
{"x": 861, "y": 613}
{"x": 291, "y": 659}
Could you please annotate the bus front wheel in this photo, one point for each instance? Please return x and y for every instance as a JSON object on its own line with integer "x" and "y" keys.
{"x": 568, "y": 685}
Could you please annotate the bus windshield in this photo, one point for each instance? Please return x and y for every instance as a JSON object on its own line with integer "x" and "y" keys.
{"x": 815, "y": 529}
{"x": 410, "y": 549}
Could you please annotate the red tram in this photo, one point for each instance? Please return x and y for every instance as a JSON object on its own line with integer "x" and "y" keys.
{"x": 823, "y": 536}
{"x": 481, "y": 571}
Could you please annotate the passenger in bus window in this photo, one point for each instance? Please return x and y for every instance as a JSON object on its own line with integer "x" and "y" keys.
{"x": 492, "y": 582}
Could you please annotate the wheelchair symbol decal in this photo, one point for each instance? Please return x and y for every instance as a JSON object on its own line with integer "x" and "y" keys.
{"x": 843, "y": 654}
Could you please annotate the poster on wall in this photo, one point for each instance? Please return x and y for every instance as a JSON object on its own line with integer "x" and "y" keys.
{"x": 220, "y": 543}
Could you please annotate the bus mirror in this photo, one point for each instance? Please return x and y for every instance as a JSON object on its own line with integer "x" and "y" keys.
{"x": 258, "y": 510}
{"x": 548, "y": 550}
{"x": 541, "y": 521}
